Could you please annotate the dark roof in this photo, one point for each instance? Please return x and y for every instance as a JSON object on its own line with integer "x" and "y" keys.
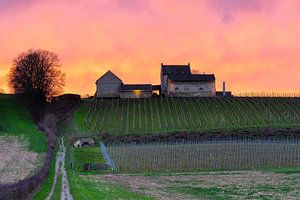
{"x": 107, "y": 73}
{"x": 175, "y": 69}
{"x": 227, "y": 93}
{"x": 156, "y": 87}
{"x": 132, "y": 87}
{"x": 192, "y": 77}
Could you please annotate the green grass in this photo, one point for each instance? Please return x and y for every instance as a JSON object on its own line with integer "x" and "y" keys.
{"x": 91, "y": 155}
{"x": 16, "y": 120}
{"x": 157, "y": 115}
{"x": 46, "y": 185}
{"x": 287, "y": 187}
{"x": 86, "y": 189}
{"x": 58, "y": 188}
{"x": 208, "y": 193}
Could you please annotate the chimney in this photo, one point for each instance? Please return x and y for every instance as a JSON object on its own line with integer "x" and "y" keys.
{"x": 188, "y": 64}
{"x": 224, "y": 88}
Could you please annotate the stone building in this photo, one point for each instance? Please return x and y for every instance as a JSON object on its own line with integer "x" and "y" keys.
{"x": 167, "y": 70}
{"x": 108, "y": 85}
{"x": 177, "y": 80}
{"x": 111, "y": 86}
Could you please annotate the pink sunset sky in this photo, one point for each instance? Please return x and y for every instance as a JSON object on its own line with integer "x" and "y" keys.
{"x": 253, "y": 45}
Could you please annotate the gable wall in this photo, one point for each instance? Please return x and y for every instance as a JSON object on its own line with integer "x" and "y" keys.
{"x": 109, "y": 78}
{"x": 108, "y": 86}
{"x": 108, "y": 90}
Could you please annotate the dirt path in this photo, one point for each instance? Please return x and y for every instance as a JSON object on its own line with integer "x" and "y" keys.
{"x": 60, "y": 168}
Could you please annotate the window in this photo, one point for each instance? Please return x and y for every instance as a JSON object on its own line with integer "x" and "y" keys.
{"x": 176, "y": 88}
{"x": 186, "y": 88}
{"x": 201, "y": 88}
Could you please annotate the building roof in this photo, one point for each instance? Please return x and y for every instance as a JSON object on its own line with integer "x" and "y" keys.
{"x": 192, "y": 77}
{"x": 175, "y": 69}
{"x": 156, "y": 87}
{"x": 133, "y": 87}
{"x": 109, "y": 74}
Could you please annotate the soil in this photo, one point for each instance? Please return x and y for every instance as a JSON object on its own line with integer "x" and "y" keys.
{"x": 235, "y": 185}
{"x": 16, "y": 162}
{"x": 267, "y": 133}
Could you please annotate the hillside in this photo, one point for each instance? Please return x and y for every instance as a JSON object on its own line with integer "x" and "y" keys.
{"x": 16, "y": 120}
{"x": 22, "y": 146}
{"x": 157, "y": 115}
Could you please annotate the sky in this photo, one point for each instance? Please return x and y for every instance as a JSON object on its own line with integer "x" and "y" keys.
{"x": 253, "y": 45}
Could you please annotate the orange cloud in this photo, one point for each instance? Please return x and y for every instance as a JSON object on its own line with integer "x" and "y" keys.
{"x": 252, "y": 46}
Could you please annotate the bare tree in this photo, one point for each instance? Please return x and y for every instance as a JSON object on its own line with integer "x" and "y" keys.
{"x": 36, "y": 74}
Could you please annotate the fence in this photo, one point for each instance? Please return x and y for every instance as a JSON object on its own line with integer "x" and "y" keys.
{"x": 211, "y": 154}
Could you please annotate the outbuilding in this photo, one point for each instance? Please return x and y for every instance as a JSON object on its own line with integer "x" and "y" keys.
{"x": 136, "y": 91}
{"x": 108, "y": 86}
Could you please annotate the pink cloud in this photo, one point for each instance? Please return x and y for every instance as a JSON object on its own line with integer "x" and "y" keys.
{"x": 133, "y": 37}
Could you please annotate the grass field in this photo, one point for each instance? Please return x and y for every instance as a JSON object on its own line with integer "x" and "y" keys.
{"x": 89, "y": 155}
{"x": 209, "y": 185}
{"x": 22, "y": 145}
{"x": 16, "y": 120}
{"x": 86, "y": 189}
{"x": 157, "y": 115}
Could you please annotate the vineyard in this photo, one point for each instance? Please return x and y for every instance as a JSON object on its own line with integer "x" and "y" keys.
{"x": 157, "y": 115}
{"x": 218, "y": 154}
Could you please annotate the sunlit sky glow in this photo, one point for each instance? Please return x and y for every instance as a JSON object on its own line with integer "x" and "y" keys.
{"x": 253, "y": 45}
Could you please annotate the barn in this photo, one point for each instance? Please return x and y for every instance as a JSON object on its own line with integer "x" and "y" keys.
{"x": 179, "y": 81}
{"x": 111, "y": 86}
{"x": 108, "y": 86}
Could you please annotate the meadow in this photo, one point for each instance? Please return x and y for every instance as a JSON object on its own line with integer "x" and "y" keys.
{"x": 16, "y": 120}
{"x": 163, "y": 115}
{"x": 22, "y": 145}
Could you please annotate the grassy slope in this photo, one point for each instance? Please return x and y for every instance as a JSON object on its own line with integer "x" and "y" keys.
{"x": 86, "y": 189}
{"x": 15, "y": 120}
{"x": 45, "y": 187}
{"x": 142, "y": 116}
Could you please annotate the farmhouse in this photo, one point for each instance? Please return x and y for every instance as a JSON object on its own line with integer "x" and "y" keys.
{"x": 108, "y": 85}
{"x": 111, "y": 86}
{"x": 177, "y": 80}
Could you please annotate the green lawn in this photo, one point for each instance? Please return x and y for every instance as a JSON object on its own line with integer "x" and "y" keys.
{"x": 46, "y": 185}
{"x": 90, "y": 155}
{"x": 16, "y": 120}
{"x": 83, "y": 188}
{"x": 156, "y": 115}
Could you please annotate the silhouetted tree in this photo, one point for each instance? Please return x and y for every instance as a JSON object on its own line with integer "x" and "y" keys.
{"x": 36, "y": 75}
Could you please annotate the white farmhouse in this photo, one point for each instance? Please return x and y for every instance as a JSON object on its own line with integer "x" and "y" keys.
{"x": 178, "y": 81}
